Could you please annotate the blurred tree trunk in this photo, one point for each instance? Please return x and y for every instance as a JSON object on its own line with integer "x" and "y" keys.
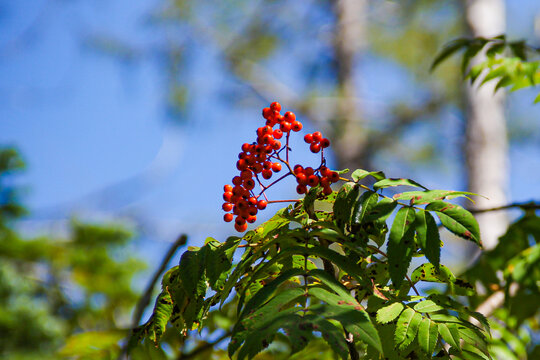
{"x": 349, "y": 133}
{"x": 486, "y": 136}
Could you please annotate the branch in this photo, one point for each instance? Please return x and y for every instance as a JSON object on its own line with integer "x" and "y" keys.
{"x": 493, "y": 302}
{"x": 147, "y": 295}
{"x": 203, "y": 347}
{"x": 145, "y": 299}
{"x": 531, "y": 205}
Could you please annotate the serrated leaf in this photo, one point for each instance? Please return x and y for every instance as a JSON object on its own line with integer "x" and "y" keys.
{"x": 428, "y": 236}
{"x": 456, "y": 219}
{"x": 389, "y": 313}
{"x": 381, "y": 211}
{"x": 428, "y": 333}
{"x": 266, "y": 292}
{"x": 400, "y": 244}
{"x": 450, "y": 334}
{"x": 428, "y": 272}
{"x": 448, "y": 49}
{"x": 356, "y": 322}
{"x": 344, "y": 203}
{"x": 427, "y": 306}
{"x": 360, "y": 174}
{"x": 333, "y": 335}
{"x": 425, "y": 197}
{"x": 364, "y": 205}
{"x": 406, "y": 327}
{"x": 396, "y": 182}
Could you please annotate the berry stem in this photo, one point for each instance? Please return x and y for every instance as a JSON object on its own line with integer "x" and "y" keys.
{"x": 272, "y": 183}
{"x": 282, "y": 201}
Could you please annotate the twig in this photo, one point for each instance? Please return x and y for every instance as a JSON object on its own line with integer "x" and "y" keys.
{"x": 531, "y": 205}
{"x": 145, "y": 299}
{"x": 147, "y": 295}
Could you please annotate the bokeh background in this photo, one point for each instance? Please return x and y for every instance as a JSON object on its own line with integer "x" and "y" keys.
{"x": 133, "y": 112}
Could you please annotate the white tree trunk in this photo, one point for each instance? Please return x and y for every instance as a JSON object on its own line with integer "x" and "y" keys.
{"x": 349, "y": 40}
{"x": 486, "y": 147}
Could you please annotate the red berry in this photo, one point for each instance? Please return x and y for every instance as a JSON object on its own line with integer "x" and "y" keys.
{"x": 301, "y": 179}
{"x": 249, "y": 184}
{"x": 315, "y": 147}
{"x": 308, "y": 138}
{"x": 246, "y": 174}
{"x": 309, "y": 171}
{"x": 240, "y": 228}
{"x": 267, "y": 139}
{"x": 324, "y": 170}
{"x": 227, "y": 206}
{"x": 301, "y": 189}
{"x": 334, "y": 176}
{"x": 227, "y": 188}
{"x": 251, "y": 219}
{"x": 267, "y": 113}
{"x": 227, "y": 196}
{"x": 257, "y": 168}
{"x": 241, "y": 164}
{"x": 253, "y": 209}
{"x": 325, "y": 143}
{"x": 237, "y": 180}
{"x": 275, "y": 106}
{"x": 267, "y": 165}
{"x": 267, "y": 174}
{"x": 325, "y": 182}
{"x": 296, "y": 126}
{"x": 285, "y": 127}
{"x": 261, "y": 205}
{"x": 327, "y": 190}
{"x": 252, "y": 200}
{"x": 298, "y": 169}
{"x": 317, "y": 136}
{"x": 278, "y": 134}
{"x": 276, "y": 167}
{"x": 277, "y": 145}
{"x": 245, "y": 147}
{"x": 313, "y": 180}
{"x": 289, "y": 116}
{"x": 228, "y": 217}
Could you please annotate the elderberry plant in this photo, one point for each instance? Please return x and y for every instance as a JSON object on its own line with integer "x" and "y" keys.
{"x": 332, "y": 265}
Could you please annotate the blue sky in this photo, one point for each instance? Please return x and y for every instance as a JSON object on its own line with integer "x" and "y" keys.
{"x": 98, "y": 141}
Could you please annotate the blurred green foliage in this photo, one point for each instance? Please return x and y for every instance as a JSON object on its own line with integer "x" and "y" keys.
{"x": 54, "y": 289}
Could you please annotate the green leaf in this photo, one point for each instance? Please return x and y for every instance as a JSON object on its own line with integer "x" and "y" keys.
{"x": 360, "y": 174}
{"x": 427, "y": 306}
{"x": 448, "y": 49}
{"x": 428, "y": 236}
{"x": 428, "y": 334}
{"x": 381, "y": 211}
{"x": 333, "y": 335}
{"x": 456, "y": 219}
{"x": 364, "y": 205}
{"x": 264, "y": 294}
{"x": 396, "y": 182}
{"x": 344, "y": 203}
{"x": 521, "y": 265}
{"x": 406, "y": 328}
{"x": 400, "y": 244}
{"x": 450, "y": 334}
{"x": 357, "y": 322}
{"x": 537, "y": 99}
{"x": 425, "y": 197}
{"x": 389, "y": 313}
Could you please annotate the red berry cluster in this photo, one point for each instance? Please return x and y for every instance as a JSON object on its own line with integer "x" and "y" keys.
{"x": 316, "y": 141}
{"x": 255, "y": 159}
{"x": 262, "y": 158}
{"x": 310, "y": 177}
